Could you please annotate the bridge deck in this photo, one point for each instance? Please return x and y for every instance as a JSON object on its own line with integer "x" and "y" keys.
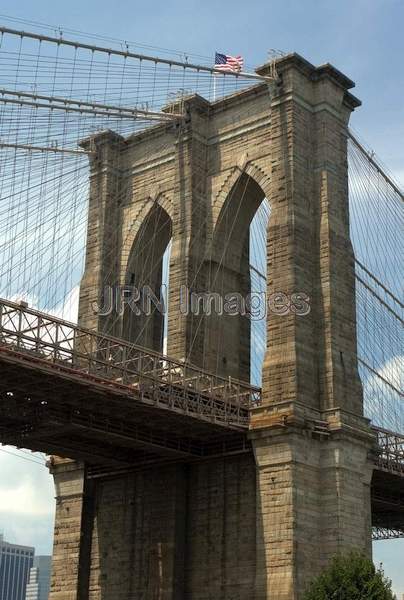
{"x": 62, "y": 382}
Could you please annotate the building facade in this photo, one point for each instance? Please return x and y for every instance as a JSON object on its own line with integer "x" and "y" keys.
{"x": 15, "y": 564}
{"x": 39, "y": 578}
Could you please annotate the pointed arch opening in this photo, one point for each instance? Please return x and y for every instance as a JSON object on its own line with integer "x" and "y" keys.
{"x": 146, "y": 281}
{"x": 235, "y": 340}
{"x": 258, "y": 277}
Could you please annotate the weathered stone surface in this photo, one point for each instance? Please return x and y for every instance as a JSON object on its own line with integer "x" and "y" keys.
{"x": 247, "y": 527}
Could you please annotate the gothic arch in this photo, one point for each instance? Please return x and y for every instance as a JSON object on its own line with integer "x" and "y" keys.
{"x": 249, "y": 168}
{"x": 164, "y": 201}
{"x": 228, "y": 336}
{"x": 143, "y": 320}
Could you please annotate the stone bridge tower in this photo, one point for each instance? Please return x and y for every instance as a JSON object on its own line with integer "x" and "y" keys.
{"x": 256, "y": 525}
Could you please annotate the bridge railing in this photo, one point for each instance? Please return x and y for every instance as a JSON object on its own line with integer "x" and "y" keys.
{"x": 390, "y": 450}
{"x": 67, "y": 345}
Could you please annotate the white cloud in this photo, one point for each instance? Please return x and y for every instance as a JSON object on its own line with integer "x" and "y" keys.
{"x": 69, "y": 308}
{"x": 27, "y": 502}
{"x": 392, "y": 371}
{"x": 23, "y": 499}
{"x": 382, "y": 404}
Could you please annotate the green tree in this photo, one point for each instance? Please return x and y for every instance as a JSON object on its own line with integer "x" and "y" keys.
{"x": 351, "y": 577}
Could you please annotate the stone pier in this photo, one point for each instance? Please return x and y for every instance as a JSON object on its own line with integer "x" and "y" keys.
{"x": 258, "y": 524}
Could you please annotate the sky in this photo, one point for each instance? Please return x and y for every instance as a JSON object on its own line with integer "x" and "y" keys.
{"x": 362, "y": 38}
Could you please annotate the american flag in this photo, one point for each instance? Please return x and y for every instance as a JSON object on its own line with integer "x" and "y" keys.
{"x": 224, "y": 62}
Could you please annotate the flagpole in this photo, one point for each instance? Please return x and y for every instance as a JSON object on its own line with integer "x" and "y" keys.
{"x": 214, "y": 87}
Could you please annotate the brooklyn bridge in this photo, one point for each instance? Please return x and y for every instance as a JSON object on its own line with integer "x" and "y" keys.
{"x": 198, "y": 454}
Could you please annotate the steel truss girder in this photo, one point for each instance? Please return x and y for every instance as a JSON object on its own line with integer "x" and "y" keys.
{"x": 386, "y": 533}
{"x": 388, "y": 455}
{"x": 63, "y": 429}
{"x": 40, "y": 341}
